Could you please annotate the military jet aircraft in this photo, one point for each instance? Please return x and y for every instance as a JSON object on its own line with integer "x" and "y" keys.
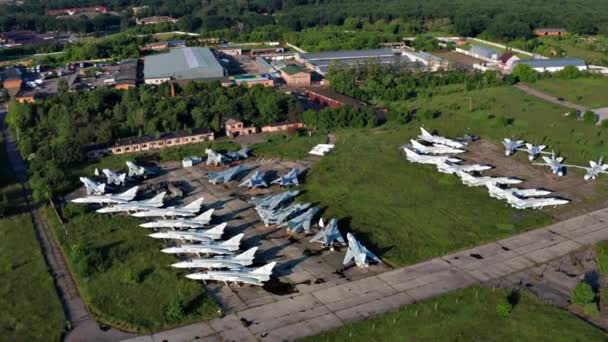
{"x": 115, "y": 178}
{"x": 273, "y": 201}
{"x": 93, "y": 187}
{"x": 513, "y": 194}
{"x": 437, "y": 139}
{"x": 290, "y": 178}
{"x": 329, "y": 236}
{"x": 226, "y": 175}
{"x": 143, "y": 205}
{"x": 425, "y": 159}
{"x": 124, "y": 197}
{"x": 233, "y": 262}
{"x": 555, "y": 163}
{"x": 227, "y": 247}
{"x": 243, "y": 153}
{"x": 199, "y": 221}
{"x": 470, "y": 180}
{"x": 511, "y": 146}
{"x": 594, "y": 169}
{"x": 357, "y": 252}
{"x": 138, "y": 171}
{"x": 301, "y": 222}
{"x": 538, "y": 203}
{"x": 215, "y": 158}
{"x": 452, "y": 168}
{"x": 270, "y": 217}
{"x": 434, "y": 149}
{"x": 533, "y": 150}
{"x": 214, "y": 233}
{"x": 245, "y": 275}
{"x": 256, "y": 180}
{"x": 188, "y": 210}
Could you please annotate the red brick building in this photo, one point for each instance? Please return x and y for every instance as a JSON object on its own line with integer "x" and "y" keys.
{"x": 295, "y": 76}
{"x": 550, "y": 32}
{"x": 235, "y": 128}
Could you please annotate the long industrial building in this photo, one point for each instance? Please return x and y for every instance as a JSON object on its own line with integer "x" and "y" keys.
{"x": 185, "y": 64}
{"x": 321, "y": 61}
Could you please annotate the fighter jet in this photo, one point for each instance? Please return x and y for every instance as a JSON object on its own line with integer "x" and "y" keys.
{"x": 436, "y": 139}
{"x": 254, "y": 181}
{"x": 243, "y": 153}
{"x": 227, "y": 247}
{"x": 273, "y": 201}
{"x": 270, "y": 217}
{"x": 290, "y": 178}
{"x": 200, "y": 221}
{"x": 435, "y": 149}
{"x": 513, "y": 194}
{"x": 151, "y": 203}
{"x": 511, "y": 146}
{"x": 533, "y": 150}
{"x": 186, "y": 211}
{"x": 235, "y": 262}
{"x": 595, "y": 169}
{"x": 124, "y": 197}
{"x": 215, "y": 158}
{"x": 226, "y": 175}
{"x": 424, "y": 159}
{"x": 329, "y": 236}
{"x": 116, "y": 178}
{"x": 470, "y": 180}
{"x": 357, "y": 252}
{"x": 214, "y": 233}
{"x": 245, "y": 275}
{"x": 138, "y": 171}
{"x": 452, "y": 168}
{"x": 93, "y": 187}
{"x": 538, "y": 203}
{"x": 555, "y": 163}
{"x": 301, "y": 222}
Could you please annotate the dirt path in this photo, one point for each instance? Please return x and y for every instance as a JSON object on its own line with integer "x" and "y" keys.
{"x": 537, "y": 93}
{"x": 83, "y": 327}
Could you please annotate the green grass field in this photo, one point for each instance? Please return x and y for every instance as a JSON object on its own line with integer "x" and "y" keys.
{"x": 288, "y": 147}
{"x": 470, "y": 315}
{"x": 30, "y": 306}
{"x": 125, "y": 280}
{"x": 589, "y": 92}
{"x": 592, "y": 49}
{"x": 409, "y": 212}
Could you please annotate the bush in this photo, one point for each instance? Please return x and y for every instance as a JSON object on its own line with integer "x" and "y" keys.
{"x": 504, "y": 309}
{"x": 175, "y": 310}
{"x": 590, "y": 309}
{"x": 582, "y": 294}
{"x": 72, "y": 210}
{"x": 590, "y": 117}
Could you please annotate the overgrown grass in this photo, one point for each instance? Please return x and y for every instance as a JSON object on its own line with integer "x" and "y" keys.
{"x": 471, "y": 315}
{"x": 293, "y": 147}
{"x": 601, "y": 251}
{"x": 124, "y": 279}
{"x": 590, "y": 92}
{"x": 30, "y": 306}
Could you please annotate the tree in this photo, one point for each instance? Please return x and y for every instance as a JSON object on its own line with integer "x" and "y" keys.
{"x": 569, "y": 72}
{"x": 524, "y": 73}
{"x": 582, "y": 294}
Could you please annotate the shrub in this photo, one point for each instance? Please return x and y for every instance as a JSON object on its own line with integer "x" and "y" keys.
{"x": 175, "y": 310}
{"x": 590, "y": 117}
{"x": 72, "y": 210}
{"x": 504, "y": 309}
{"x": 590, "y": 309}
{"x": 582, "y": 294}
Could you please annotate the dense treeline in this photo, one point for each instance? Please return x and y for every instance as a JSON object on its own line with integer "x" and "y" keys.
{"x": 54, "y": 133}
{"x": 347, "y": 116}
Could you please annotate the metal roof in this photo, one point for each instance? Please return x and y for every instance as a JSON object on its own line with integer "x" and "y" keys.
{"x": 484, "y": 51}
{"x": 183, "y": 64}
{"x": 324, "y": 64}
{"x": 551, "y": 63}
{"x": 347, "y": 54}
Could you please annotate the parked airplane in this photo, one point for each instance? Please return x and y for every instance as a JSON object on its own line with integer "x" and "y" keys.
{"x": 243, "y": 153}
{"x": 290, "y": 178}
{"x": 199, "y": 221}
{"x": 233, "y": 262}
{"x": 116, "y": 178}
{"x": 434, "y": 149}
{"x": 226, "y": 175}
{"x": 256, "y": 180}
{"x": 594, "y": 169}
{"x": 357, "y": 252}
{"x": 452, "y": 168}
{"x": 425, "y": 159}
{"x": 190, "y": 209}
{"x": 215, "y": 158}
{"x": 555, "y": 163}
{"x": 511, "y": 146}
{"x": 273, "y": 201}
{"x": 227, "y": 247}
{"x": 329, "y": 236}
{"x": 143, "y": 205}
{"x": 470, "y": 180}
{"x": 138, "y": 171}
{"x": 93, "y": 187}
{"x": 214, "y": 233}
{"x": 538, "y": 203}
{"x": 322, "y": 149}
{"x": 124, "y": 197}
{"x": 513, "y": 194}
{"x": 437, "y": 139}
{"x": 270, "y": 217}
{"x": 302, "y": 222}
{"x": 533, "y": 150}
{"x": 246, "y": 275}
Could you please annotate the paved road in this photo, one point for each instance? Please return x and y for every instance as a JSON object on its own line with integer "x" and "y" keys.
{"x": 311, "y": 313}
{"x": 84, "y": 328}
{"x": 537, "y": 93}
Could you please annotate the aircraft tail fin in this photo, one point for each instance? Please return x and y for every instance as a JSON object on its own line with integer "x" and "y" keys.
{"x": 233, "y": 241}
{"x": 248, "y": 254}
{"x": 129, "y": 194}
{"x": 219, "y": 229}
{"x": 349, "y": 255}
{"x": 206, "y": 216}
{"x": 101, "y": 188}
{"x": 266, "y": 269}
{"x": 122, "y": 178}
{"x": 158, "y": 199}
{"x": 425, "y": 132}
{"x": 194, "y": 206}
{"x": 416, "y": 144}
